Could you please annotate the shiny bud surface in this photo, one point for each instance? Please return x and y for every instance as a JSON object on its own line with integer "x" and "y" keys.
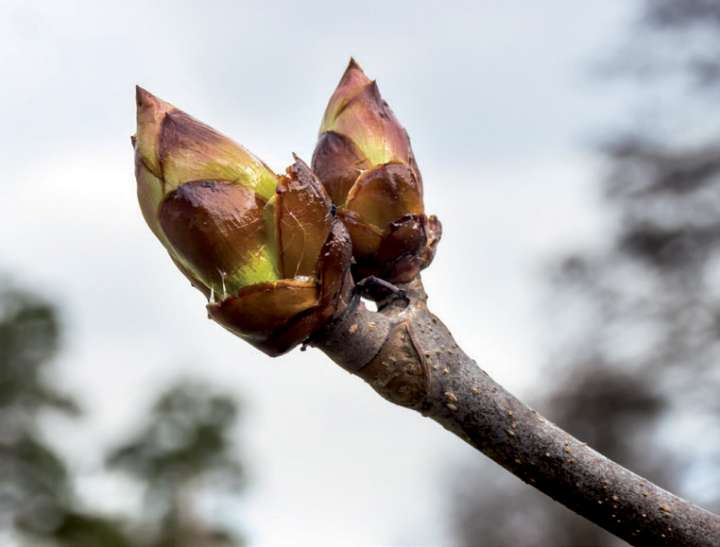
{"x": 265, "y": 249}
{"x": 364, "y": 159}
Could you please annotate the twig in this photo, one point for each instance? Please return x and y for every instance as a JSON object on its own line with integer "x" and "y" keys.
{"x": 410, "y": 358}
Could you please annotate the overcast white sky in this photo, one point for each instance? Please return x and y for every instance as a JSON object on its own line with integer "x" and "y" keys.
{"x": 500, "y": 103}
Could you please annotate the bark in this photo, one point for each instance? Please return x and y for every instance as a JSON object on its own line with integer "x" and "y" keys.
{"x": 410, "y": 358}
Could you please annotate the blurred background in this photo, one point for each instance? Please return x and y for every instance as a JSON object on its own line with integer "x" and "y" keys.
{"x": 573, "y": 154}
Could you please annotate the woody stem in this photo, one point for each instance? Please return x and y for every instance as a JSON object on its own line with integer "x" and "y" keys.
{"x": 410, "y": 358}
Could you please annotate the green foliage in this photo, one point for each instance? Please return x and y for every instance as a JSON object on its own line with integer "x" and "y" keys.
{"x": 29, "y": 339}
{"x": 186, "y": 437}
{"x": 34, "y": 481}
{"x": 185, "y": 443}
{"x": 87, "y": 530}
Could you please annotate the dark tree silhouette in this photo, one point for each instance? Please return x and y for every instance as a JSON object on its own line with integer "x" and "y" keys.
{"x": 185, "y": 449}
{"x": 35, "y": 487}
{"x": 640, "y": 375}
{"x": 185, "y": 445}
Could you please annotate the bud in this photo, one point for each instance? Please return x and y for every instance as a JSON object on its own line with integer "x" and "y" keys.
{"x": 364, "y": 159}
{"x": 265, "y": 249}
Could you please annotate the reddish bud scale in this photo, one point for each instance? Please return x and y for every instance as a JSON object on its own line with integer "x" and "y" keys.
{"x": 364, "y": 159}
{"x": 265, "y": 250}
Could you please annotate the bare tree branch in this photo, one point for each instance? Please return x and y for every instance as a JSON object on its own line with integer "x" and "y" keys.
{"x": 410, "y": 358}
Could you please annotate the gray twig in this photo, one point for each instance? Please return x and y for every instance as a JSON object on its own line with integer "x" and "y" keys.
{"x": 410, "y": 358}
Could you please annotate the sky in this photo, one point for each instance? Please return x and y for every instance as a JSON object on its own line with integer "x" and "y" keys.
{"x": 501, "y": 102}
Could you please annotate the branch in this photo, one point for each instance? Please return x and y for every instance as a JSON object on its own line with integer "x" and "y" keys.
{"x": 410, "y": 358}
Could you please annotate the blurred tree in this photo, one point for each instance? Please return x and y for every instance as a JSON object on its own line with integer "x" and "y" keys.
{"x": 34, "y": 482}
{"x": 638, "y": 375}
{"x": 186, "y": 444}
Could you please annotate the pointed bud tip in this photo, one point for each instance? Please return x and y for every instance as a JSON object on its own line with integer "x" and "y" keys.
{"x": 146, "y": 101}
{"x": 354, "y": 76}
{"x": 354, "y": 65}
{"x": 351, "y": 84}
{"x": 374, "y": 91}
{"x": 143, "y": 96}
